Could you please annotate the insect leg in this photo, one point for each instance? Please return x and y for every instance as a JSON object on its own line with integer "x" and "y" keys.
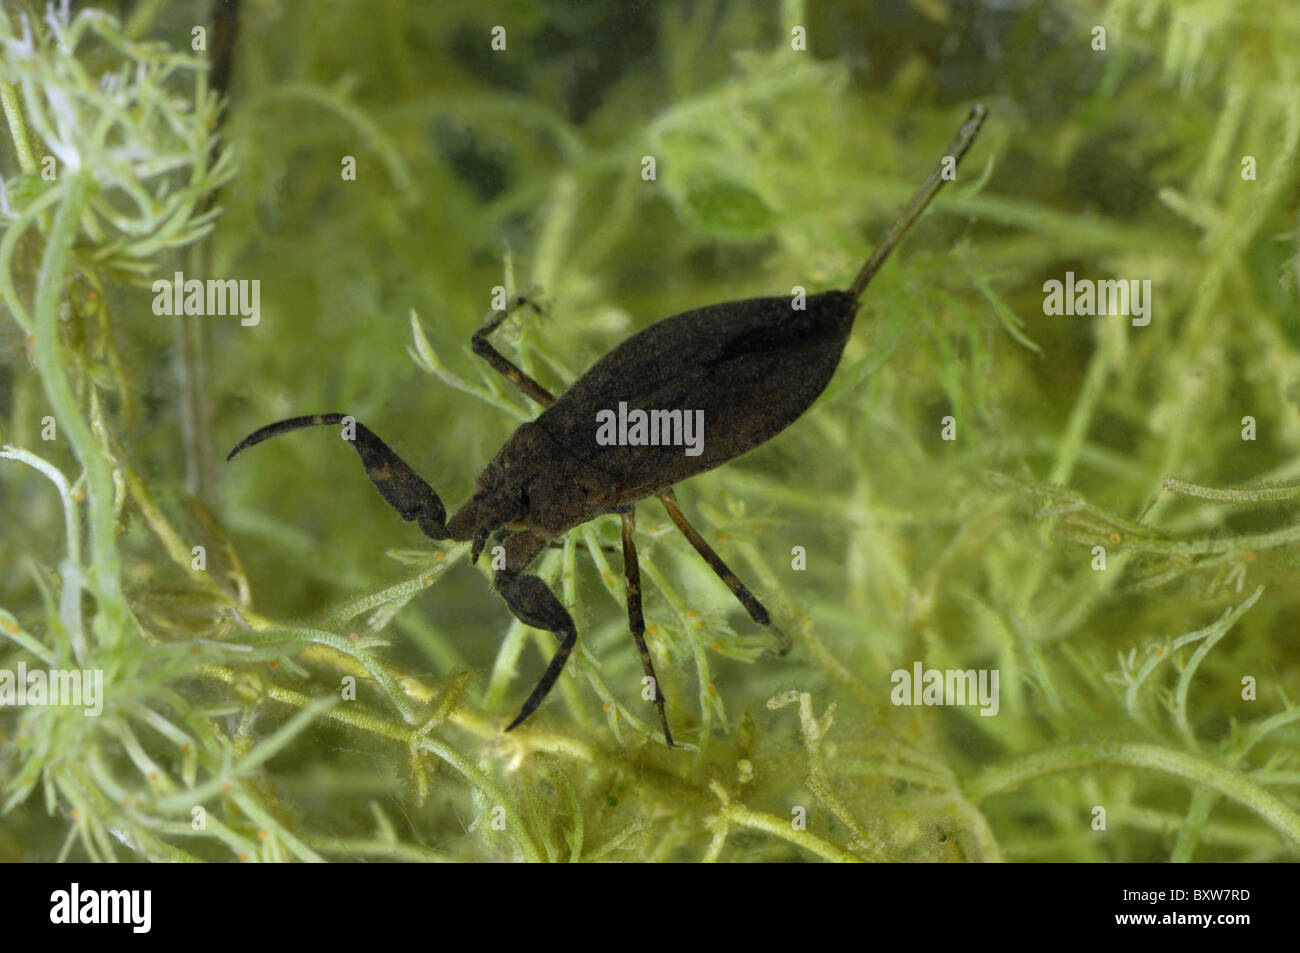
{"x": 533, "y": 604}
{"x": 484, "y": 349}
{"x": 635, "y": 620}
{"x": 755, "y": 608}
{"x": 403, "y": 488}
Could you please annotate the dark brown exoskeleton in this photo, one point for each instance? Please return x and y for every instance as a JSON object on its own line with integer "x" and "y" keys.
{"x": 752, "y": 367}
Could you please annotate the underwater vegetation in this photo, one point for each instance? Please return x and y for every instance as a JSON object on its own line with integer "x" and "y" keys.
{"x": 1092, "y": 514}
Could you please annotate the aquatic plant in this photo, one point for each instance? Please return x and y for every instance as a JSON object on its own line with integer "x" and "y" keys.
{"x": 277, "y": 688}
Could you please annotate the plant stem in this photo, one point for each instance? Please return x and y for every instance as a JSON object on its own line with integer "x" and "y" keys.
{"x": 49, "y": 362}
{"x": 17, "y": 127}
{"x": 1234, "y": 494}
{"x": 366, "y": 722}
{"x": 781, "y": 827}
{"x": 1188, "y": 767}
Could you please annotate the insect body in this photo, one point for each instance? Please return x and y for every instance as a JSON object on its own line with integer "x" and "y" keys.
{"x": 749, "y": 368}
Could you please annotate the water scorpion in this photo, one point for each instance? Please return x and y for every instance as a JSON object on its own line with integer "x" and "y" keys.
{"x": 750, "y": 367}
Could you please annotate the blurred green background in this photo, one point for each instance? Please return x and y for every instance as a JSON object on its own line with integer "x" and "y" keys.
{"x": 775, "y": 167}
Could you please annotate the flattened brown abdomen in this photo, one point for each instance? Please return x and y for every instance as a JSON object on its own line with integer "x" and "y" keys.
{"x": 753, "y": 367}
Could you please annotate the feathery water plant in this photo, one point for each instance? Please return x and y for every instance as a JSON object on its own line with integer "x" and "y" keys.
{"x": 283, "y": 694}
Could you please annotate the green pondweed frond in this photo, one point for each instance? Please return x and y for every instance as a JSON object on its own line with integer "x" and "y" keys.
{"x": 145, "y": 149}
{"x": 129, "y": 163}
